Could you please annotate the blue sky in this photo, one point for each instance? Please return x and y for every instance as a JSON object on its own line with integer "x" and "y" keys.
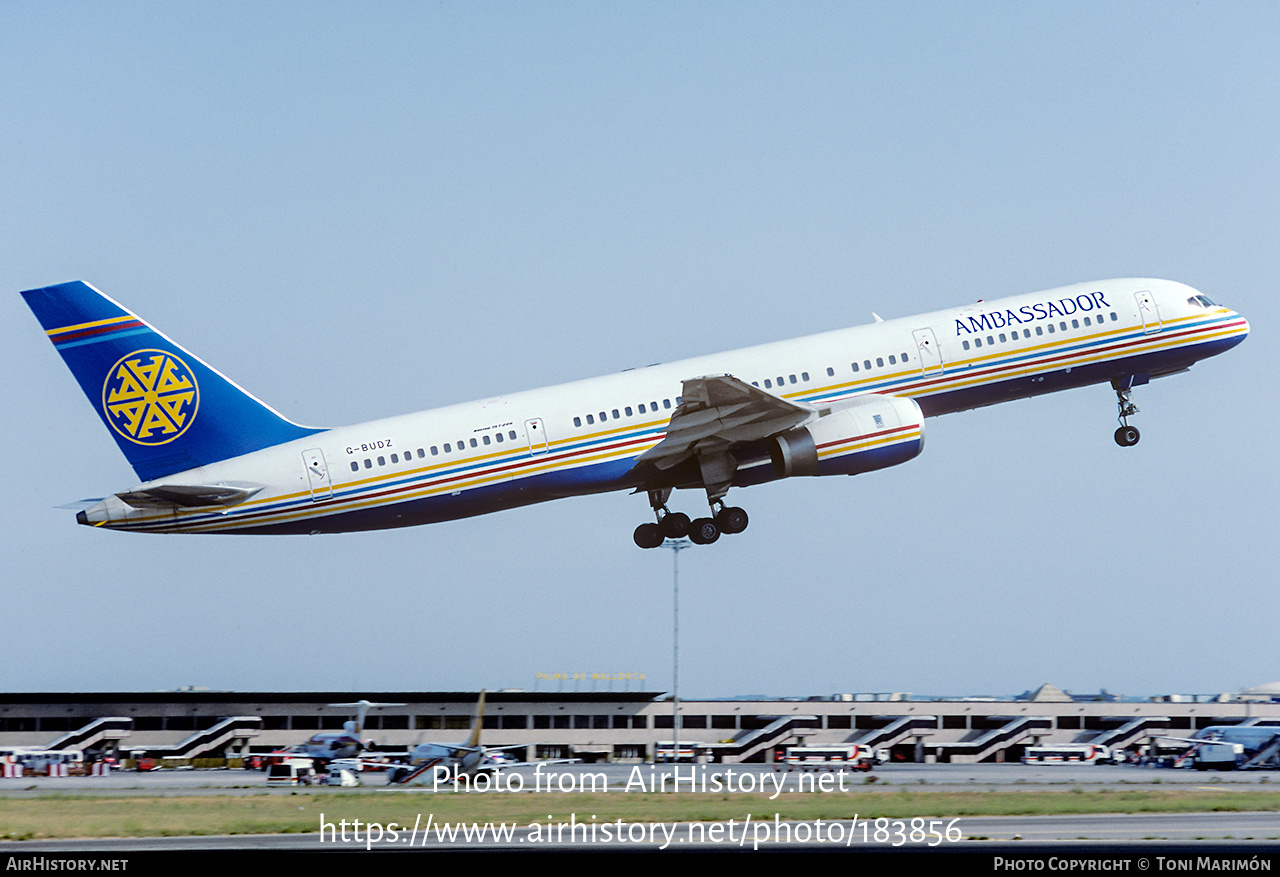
{"x": 359, "y": 210}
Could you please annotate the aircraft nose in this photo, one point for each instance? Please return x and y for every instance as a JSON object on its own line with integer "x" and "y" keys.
{"x": 1239, "y": 323}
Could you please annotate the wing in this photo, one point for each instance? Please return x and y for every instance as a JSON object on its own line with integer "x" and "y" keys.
{"x": 719, "y": 411}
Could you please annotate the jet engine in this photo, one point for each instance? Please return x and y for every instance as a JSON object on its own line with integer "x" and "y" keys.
{"x": 867, "y": 433}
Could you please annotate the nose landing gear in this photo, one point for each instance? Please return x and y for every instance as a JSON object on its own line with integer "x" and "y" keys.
{"x": 1126, "y": 435}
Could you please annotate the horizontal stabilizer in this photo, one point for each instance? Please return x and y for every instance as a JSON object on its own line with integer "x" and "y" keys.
{"x": 81, "y": 504}
{"x": 188, "y": 495}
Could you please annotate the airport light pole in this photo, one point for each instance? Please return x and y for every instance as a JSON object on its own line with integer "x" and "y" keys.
{"x": 676, "y": 546}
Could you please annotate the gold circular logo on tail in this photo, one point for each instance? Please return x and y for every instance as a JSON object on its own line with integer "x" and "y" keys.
{"x": 150, "y": 397}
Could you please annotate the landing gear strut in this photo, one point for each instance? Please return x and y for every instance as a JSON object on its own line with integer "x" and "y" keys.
{"x": 670, "y": 525}
{"x": 1126, "y": 435}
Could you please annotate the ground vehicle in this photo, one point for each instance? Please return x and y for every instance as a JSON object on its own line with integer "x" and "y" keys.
{"x": 292, "y": 772}
{"x": 859, "y": 757}
{"x": 39, "y": 762}
{"x": 1067, "y": 753}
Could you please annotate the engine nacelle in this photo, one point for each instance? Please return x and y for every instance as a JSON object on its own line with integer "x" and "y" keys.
{"x": 870, "y": 432}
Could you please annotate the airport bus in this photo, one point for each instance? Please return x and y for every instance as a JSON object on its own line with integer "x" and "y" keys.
{"x": 1067, "y": 753}
{"x": 850, "y": 753}
{"x": 38, "y": 761}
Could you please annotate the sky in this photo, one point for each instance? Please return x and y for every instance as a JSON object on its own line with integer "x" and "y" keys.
{"x": 361, "y": 210}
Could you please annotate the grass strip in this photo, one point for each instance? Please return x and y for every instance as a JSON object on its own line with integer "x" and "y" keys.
{"x": 76, "y": 816}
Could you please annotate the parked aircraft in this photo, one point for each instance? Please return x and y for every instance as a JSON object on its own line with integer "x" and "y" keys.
{"x": 1231, "y": 746}
{"x": 347, "y": 743}
{"x": 214, "y": 459}
{"x": 446, "y": 759}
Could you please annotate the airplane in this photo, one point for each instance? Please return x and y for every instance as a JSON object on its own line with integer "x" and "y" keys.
{"x": 445, "y": 764}
{"x": 330, "y": 745}
{"x": 446, "y": 759}
{"x": 214, "y": 459}
{"x": 1231, "y": 746}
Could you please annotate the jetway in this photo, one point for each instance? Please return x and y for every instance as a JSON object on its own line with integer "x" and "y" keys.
{"x": 988, "y": 743}
{"x": 752, "y": 745}
{"x": 1130, "y": 732}
{"x": 213, "y": 739}
{"x": 98, "y": 731}
{"x": 897, "y": 731}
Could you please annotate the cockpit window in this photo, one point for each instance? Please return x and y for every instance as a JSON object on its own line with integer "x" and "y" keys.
{"x": 1203, "y": 300}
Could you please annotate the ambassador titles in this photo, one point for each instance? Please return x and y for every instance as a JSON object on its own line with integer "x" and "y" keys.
{"x": 1063, "y": 307}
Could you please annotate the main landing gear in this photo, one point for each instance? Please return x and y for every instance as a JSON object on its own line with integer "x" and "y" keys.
{"x": 1126, "y": 435}
{"x": 674, "y": 525}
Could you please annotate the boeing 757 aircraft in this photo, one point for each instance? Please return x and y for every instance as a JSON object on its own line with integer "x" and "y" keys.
{"x": 214, "y": 459}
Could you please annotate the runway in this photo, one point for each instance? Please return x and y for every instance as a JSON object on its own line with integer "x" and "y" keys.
{"x": 940, "y": 777}
{"x": 1239, "y": 832}
{"x": 756, "y": 830}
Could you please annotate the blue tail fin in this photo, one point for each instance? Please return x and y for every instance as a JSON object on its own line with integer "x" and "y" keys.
{"x": 166, "y": 409}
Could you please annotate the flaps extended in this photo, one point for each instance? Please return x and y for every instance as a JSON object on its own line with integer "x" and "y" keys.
{"x": 719, "y": 411}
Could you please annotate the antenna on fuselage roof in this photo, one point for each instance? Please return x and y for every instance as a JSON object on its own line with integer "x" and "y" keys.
{"x": 877, "y": 317}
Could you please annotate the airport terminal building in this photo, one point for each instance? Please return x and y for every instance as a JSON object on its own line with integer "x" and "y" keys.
{"x": 617, "y": 726}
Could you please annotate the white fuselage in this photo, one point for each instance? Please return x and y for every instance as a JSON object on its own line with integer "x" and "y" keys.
{"x": 584, "y": 437}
